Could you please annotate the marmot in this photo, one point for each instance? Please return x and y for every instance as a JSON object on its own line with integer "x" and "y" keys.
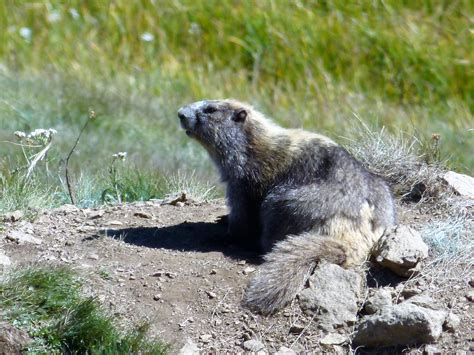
{"x": 300, "y": 195}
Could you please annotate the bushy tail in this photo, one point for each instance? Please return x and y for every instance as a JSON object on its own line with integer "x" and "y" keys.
{"x": 287, "y": 268}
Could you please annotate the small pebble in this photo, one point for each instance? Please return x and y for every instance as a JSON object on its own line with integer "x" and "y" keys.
{"x": 452, "y": 322}
{"x": 205, "y": 338}
{"x": 142, "y": 214}
{"x": 211, "y": 294}
{"x": 93, "y": 256}
{"x": 470, "y": 296}
{"x": 253, "y": 345}
{"x": 248, "y": 270}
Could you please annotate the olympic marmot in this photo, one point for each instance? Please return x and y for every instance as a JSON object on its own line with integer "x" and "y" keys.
{"x": 299, "y": 194}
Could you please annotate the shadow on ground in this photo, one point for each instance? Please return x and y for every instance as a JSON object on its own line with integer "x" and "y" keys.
{"x": 187, "y": 236}
{"x": 378, "y": 276}
{"x": 207, "y": 237}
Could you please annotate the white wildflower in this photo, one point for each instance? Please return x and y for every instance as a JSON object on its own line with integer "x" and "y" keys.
{"x": 120, "y": 155}
{"x": 74, "y": 13}
{"x": 54, "y": 16}
{"x": 39, "y": 132}
{"x": 195, "y": 29}
{"x": 20, "y": 134}
{"x": 26, "y": 33}
{"x": 41, "y": 135}
{"x": 147, "y": 37}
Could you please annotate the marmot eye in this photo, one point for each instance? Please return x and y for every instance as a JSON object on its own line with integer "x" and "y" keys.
{"x": 209, "y": 109}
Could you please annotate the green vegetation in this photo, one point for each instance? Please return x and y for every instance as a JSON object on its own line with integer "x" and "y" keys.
{"x": 318, "y": 64}
{"x": 47, "y": 303}
{"x": 404, "y": 65}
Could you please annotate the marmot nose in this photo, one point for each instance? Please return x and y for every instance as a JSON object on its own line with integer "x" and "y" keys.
{"x": 184, "y": 113}
{"x": 181, "y": 116}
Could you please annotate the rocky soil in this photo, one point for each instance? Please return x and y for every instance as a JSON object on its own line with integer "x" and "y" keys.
{"x": 170, "y": 263}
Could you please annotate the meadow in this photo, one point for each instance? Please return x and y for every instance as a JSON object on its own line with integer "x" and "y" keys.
{"x": 321, "y": 65}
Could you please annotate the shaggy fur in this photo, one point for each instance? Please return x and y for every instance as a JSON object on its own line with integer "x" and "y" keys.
{"x": 298, "y": 195}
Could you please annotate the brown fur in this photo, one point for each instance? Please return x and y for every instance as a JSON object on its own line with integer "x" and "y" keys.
{"x": 298, "y": 195}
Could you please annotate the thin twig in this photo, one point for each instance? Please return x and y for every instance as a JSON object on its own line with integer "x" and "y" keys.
{"x": 24, "y": 145}
{"x": 304, "y": 329}
{"x": 68, "y": 180}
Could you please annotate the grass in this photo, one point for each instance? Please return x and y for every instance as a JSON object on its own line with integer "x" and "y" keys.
{"x": 451, "y": 253}
{"x": 415, "y": 51}
{"x": 32, "y": 195}
{"x": 402, "y": 160}
{"x": 406, "y": 162}
{"x": 47, "y": 303}
{"x": 404, "y": 66}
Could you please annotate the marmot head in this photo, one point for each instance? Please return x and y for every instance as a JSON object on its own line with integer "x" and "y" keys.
{"x": 213, "y": 122}
{"x": 236, "y": 136}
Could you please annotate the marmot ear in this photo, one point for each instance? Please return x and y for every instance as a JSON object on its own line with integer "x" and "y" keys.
{"x": 239, "y": 115}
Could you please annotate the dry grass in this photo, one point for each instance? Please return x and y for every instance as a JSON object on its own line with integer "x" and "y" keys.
{"x": 191, "y": 185}
{"x": 399, "y": 159}
{"x": 449, "y": 234}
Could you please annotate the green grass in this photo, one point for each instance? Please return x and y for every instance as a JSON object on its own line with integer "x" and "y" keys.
{"x": 403, "y": 65}
{"x": 407, "y": 51}
{"x": 47, "y": 303}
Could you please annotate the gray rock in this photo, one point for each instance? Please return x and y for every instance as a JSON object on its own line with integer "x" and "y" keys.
{"x": 189, "y": 348}
{"x": 283, "y": 350}
{"x": 430, "y": 349}
{"x": 401, "y": 249}
{"x": 94, "y": 214}
{"x": 4, "y": 260}
{"x": 253, "y": 345}
{"x": 205, "y": 338}
{"x": 13, "y": 216}
{"x": 143, "y": 214}
{"x": 333, "y": 339}
{"x": 296, "y": 329}
{"x": 424, "y": 300}
{"x": 93, "y": 256}
{"x": 452, "y": 322}
{"x": 248, "y": 270}
{"x": 12, "y": 340}
{"x": 402, "y": 324}
{"x": 22, "y": 237}
{"x": 461, "y": 183}
{"x": 333, "y": 295}
{"x": 381, "y": 298}
{"x": 65, "y": 209}
{"x": 410, "y": 292}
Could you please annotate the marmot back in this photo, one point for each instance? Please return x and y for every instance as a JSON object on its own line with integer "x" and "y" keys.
{"x": 297, "y": 195}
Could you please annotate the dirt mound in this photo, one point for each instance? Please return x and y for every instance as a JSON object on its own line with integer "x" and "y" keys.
{"x": 173, "y": 266}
